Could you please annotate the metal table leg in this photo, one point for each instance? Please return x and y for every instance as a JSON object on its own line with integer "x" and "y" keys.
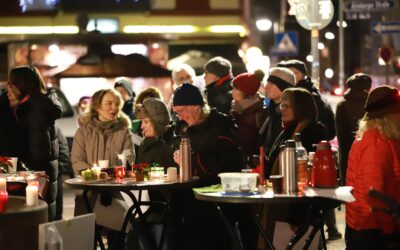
{"x": 263, "y": 232}
{"x": 228, "y": 226}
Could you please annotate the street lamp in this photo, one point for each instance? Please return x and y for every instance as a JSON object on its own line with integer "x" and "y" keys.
{"x": 263, "y": 24}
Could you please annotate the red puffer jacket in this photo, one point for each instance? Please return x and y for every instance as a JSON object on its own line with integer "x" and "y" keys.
{"x": 374, "y": 162}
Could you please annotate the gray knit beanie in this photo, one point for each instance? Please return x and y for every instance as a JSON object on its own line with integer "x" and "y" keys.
{"x": 157, "y": 111}
{"x": 283, "y": 78}
{"x": 126, "y": 84}
{"x": 218, "y": 66}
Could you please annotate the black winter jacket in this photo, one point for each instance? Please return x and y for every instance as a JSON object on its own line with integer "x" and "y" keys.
{"x": 349, "y": 111}
{"x": 312, "y": 134}
{"x": 272, "y": 126}
{"x": 159, "y": 150}
{"x": 127, "y": 108}
{"x": 37, "y": 142}
{"x": 8, "y": 126}
{"x": 325, "y": 113}
{"x": 220, "y": 96}
{"x": 215, "y": 147}
{"x": 215, "y": 150}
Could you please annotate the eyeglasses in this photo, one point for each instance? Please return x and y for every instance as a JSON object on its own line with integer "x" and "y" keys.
{"x": 285, "y": 106}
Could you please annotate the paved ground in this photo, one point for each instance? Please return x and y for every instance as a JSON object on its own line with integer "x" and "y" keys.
{"x": 69, "y": 195}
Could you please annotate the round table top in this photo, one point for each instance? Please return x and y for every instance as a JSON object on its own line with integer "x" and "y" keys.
{"x": 112, "y": 184}
{"x": 268, "y": 197}
{"x": 17, "y": 205}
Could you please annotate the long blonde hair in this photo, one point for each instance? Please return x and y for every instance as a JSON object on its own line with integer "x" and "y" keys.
{"x": 385, "y": 125}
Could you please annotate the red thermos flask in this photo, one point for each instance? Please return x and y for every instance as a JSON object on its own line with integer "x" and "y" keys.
{"x": 324, "y": 172}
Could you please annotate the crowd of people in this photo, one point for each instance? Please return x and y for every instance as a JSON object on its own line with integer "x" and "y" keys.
{"x": 227, "y": 120}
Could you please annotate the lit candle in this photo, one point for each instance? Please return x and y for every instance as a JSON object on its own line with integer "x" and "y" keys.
{"x": 32, "y": 192}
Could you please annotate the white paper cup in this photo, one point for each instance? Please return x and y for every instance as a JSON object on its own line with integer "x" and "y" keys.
{"x": 13, "y": 168}
{"x": 172, "y": 174}
{"x": 104, "y": 163}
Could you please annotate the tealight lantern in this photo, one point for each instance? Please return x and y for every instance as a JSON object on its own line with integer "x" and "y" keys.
{"x": 119, "y": 172}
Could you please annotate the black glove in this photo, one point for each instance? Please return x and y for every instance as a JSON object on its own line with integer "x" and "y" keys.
{"x": 105, "y": 198}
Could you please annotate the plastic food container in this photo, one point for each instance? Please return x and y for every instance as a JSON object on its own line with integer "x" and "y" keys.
{"x": 238, "y": 182}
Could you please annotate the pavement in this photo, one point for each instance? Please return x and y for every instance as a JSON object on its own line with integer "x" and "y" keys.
{"x": 69, "y": 204}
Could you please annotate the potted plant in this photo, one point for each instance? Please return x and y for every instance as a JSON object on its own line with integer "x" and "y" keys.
{"x": 141, "y": 171}
{"x": 5, "y": 163}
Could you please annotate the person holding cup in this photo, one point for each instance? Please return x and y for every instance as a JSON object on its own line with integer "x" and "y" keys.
{"x": 105, "y": 133}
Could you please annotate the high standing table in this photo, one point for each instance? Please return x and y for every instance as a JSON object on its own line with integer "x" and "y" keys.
{"x": 316, "y": 199}
{"x": 19, "y": 225}
{"x": 126, "y": 186}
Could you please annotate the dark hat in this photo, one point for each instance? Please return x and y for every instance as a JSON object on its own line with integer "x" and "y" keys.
{"x": 157, "y": 111}
{"x": 187, "y": 94}
{"x": 126, "y": 84}
{"x": 248, "y": 83}
{"x": 218, "y": 66}
{"x": 297, "y": 64}
{"x": 382, "y": 101}
{"x": 359, "y": 81}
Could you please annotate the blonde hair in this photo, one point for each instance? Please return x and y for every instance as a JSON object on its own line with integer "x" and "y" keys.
{"x": 385, "y": 125}
{"x": 97, "y": 98}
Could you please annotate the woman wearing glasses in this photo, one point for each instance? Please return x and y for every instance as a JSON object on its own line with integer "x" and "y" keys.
{"x": 299, "y": 115}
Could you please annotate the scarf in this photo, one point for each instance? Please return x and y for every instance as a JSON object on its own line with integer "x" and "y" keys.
{"x": 240, "y": 106}
{"x": 109, "y": 126}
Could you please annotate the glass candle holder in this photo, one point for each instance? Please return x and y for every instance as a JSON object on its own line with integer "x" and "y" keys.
{"x": 157, "y": 173}
{"x": 119, "y": 172}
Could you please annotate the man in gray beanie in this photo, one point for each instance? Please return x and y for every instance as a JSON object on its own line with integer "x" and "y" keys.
{"x": 278, "y": 80}
{"x": 124, "y": 87}
{"x": 218, "y": 77}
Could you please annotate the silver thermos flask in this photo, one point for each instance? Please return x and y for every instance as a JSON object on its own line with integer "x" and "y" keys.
{"x": 185, "y": 161}
{"x": 289, "y": 169}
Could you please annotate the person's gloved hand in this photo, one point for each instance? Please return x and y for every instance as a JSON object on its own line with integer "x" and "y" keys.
{"x": 105, "y": 198}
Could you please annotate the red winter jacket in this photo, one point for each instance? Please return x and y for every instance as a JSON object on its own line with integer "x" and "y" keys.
{"x": 374, "y": 161}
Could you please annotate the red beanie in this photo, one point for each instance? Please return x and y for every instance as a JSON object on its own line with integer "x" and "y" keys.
{"x": 248, "y": 83}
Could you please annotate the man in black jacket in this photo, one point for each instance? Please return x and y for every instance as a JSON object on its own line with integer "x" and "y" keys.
{"x": 215, "y": 150}
{"x": 218, "y": 77}
{"x": 325, "y": 113}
